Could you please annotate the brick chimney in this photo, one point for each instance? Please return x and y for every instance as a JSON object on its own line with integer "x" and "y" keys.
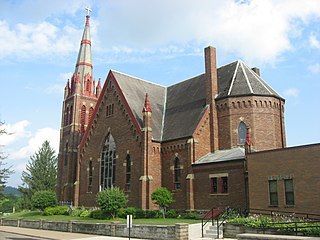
{"x": 211, "y": 93}
{"x": 256, "y": 70}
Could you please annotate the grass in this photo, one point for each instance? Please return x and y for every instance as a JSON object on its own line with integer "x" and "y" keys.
{"x": 36, "y": 215}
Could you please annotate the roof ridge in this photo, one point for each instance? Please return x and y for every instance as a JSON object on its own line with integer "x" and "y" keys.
{"x": 245, "y": 75}
{"x": 137, "y": 78}
{"x": 185, "y": 80}
{"x": 234, "y": 77}
{"x": 263, "y": 83}
{"x": 163, "y": 113}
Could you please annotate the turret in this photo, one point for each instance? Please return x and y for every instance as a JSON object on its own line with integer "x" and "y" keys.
{"x": 67, "y": 90}
{"x": 98, "y": 89}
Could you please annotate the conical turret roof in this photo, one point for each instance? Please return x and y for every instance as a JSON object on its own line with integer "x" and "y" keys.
{"x": 237, "y": 79}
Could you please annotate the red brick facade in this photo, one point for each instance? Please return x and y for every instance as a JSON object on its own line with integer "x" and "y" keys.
{"x": 300, "y": 164}
{"x": 170, "y": 162}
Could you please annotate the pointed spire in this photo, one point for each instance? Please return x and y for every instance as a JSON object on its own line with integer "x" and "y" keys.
{"x": 146, "y": 107}
{"x": 67, "y": 89}
{"x": 84, "y": 62}
{"x": 98, "y": 89}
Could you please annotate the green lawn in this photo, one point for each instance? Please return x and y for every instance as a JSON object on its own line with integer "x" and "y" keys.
{"x": 35, "y": 215}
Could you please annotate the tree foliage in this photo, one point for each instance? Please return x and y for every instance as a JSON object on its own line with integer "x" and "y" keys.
{"x": 5, "y": 172}
{"x": 163, "y": 198}
{"x": 111, "y": 200}
{"x": 40, "y": 174}
{"x": 44, "y": 199}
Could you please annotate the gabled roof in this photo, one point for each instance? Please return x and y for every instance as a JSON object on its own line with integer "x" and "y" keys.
{"x": 237, "y": 153}
{"x": 177, "y": 109}
{"x": 134, "y": 90}
{"x": 186, "y": 102}
{"x": 237, "y": 79}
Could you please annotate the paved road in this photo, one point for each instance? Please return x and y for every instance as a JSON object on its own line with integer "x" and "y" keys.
{"x": 13, "y": 236}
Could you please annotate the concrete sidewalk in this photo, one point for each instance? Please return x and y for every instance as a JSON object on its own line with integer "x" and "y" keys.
{"x": 55, "y": 235}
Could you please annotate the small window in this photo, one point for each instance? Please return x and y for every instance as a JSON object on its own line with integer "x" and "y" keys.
{"x": 71, "y": 115}
{"x": 66, "y": 115}
{"x": 177, "y": 174}
{"x": 289, "y": 193}
{"x": 83, "y": 118}
{"x": 273, "y": 193}
{"x": 128, "y": 173}
{"x": 224, "y": 185}
{"x": 66, "y": 155}
{"x": 90, "y": 174}
{"x": 219, "y": 185}
{"x": 91, "y": 113}
{"x": 110, "y": 110}
{"x": 242, "y": 132}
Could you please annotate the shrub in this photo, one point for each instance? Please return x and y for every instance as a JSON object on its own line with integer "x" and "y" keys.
{"x": 85, "y": 213}
{"x": 127, "y": 211}
{"x": 171, "y": 214}
{"x": 43, "y": 199}
{"x": 57, "y": 210}
{"x": 111, "y": 200}
{"x": 163, "y": 198}
{"x": 152, "y": 214}
{"x": 140, "y": 213}
{"x": 99, "y": 214}
{"x": 190, "y": 215}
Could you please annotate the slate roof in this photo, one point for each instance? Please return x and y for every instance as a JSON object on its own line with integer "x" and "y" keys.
{"x": 236, "y": 153}
{"x": 134, "y": 90}
{"x": 237, "y": 79}
{"x": 177, "y": 109}
{"x": 186, "y": 102}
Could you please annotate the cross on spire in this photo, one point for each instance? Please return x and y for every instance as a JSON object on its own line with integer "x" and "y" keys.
{"x": 88, "y": 9}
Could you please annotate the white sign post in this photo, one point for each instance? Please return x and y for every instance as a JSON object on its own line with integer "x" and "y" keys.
{"x": 129, "y": 223}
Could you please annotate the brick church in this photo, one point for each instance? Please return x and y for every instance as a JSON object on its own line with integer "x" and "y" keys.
{"x": 191, "y": 137}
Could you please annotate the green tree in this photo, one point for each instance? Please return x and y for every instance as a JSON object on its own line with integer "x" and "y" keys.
{"x": 44, "y": 199}
{"x": 163, "y": 198}
{"x": 5, "y": 172}
{"x": 111, "y": 200}
{"x": 40, "y": 174}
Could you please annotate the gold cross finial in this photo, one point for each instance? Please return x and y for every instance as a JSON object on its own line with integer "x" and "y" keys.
{"x": 88, "y": 9}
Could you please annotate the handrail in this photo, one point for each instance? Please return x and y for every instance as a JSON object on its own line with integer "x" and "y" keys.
{"x": 204, "y": 217}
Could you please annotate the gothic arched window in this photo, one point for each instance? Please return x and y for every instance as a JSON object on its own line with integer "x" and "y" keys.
{"x": 177, "y": 174}
{"x": 66, "y": 115}
{"x": 242, "y": 132}
{"x": 90, "y": 113}
{"x": 83, "y": 117}
{"x": 128, "y": 173}
{"x": 71, "y": 115}
{"x": 108, "y": 163}
{"x": 66, "y": 157}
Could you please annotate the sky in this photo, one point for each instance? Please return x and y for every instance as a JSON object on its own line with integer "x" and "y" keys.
{"x": 161, "y": 41}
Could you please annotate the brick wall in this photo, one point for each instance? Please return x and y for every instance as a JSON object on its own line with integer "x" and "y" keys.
{"x": 301, "y": 163}
{"x": 263, "y": 115}
{"x": 235, "y": 198}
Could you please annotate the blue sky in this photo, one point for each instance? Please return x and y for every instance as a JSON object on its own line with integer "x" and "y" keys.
{"x": 160, "y": 41}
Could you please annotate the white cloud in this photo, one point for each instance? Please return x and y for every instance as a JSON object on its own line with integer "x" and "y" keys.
{"x": 313, "y": 41}
{"x": 35, "y": 142}
{"x": 14, "y": 131}
{"x": 315, "y": 68}
{"x": 257, "y": 30}
{"x": 291, "y": 92}
{"x": 26, "y": 41}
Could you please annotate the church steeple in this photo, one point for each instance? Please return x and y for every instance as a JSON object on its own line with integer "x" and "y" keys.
{"x": 80, "y": 98}
{"x": 84, "y": 62}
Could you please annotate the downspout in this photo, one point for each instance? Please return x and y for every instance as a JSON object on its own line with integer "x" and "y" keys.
{"x": 281, "y": 124}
